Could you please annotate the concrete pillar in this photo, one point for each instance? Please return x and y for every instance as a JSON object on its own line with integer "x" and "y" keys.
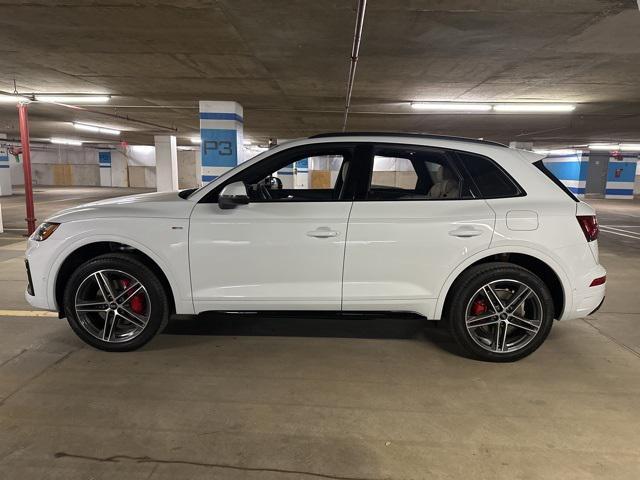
{"x": 5, "y": 173}
{"x": 286, "y": 176}
{"x": 104, "y": 159}
{"x": 301, "y": 174}
{"x": 119, "y": 169}
{"x": 221, "y": 133}
{"x": 166, "y": 163}
{"x": 521, "y": 145}
{"x": 188, "y": 162}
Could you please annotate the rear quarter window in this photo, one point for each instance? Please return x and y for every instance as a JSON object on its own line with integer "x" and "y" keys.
{"x": 489, "y": 178}
{"x": 541, "y": 166}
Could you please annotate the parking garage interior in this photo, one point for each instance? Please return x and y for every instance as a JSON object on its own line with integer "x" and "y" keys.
{"x": 124, "y": 98}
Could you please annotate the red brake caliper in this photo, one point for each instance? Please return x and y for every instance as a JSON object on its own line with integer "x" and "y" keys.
{"x": 136, "y": 302}
{"x": 479, "y": 307}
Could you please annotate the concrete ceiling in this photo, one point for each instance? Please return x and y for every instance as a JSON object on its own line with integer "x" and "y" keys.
{"x": 286, "y": 62}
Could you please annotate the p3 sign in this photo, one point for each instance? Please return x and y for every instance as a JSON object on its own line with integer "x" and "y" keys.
{"x": 219, "y": 147}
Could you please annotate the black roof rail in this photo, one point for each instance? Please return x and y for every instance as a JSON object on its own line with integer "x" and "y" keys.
{"x": 410, "y": 135}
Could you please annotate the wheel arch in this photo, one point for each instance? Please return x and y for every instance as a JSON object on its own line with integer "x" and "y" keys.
{"x": 549, "y": 271}
{"x": 81, "y": 253}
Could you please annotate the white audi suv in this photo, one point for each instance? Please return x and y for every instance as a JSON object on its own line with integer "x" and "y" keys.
{"x": 465, "y": 231}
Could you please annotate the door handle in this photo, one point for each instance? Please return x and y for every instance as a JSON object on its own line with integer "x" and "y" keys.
{"x": 465, "y": 232}
{"x": 322, "y": 232}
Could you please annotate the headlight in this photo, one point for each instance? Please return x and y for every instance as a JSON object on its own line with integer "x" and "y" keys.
{"x": 44, "y": 231}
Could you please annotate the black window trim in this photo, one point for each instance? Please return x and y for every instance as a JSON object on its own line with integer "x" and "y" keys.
{"x": 360, "y": 173}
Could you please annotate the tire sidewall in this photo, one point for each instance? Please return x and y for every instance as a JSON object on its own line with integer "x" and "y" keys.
{"x": 471, "y": 282}
{"x": 130, "y": 265}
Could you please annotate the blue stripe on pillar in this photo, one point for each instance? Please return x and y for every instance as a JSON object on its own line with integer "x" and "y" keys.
{"x": 220, "y": 116}
{"x": 570, "y": 170}
{"x": 621, "y": 171}
{"x": 619, "y": 191}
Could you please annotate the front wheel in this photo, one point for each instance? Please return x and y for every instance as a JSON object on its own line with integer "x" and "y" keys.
{"x": 115, "y": 303}
{"x": 500, "y": 312}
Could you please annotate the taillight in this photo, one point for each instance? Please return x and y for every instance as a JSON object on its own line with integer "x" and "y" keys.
{"x": 589, "y": 225}
{"x": 598, "y": 281}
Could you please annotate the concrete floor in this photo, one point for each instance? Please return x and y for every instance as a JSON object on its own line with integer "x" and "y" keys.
{"x": 261, "y": 398}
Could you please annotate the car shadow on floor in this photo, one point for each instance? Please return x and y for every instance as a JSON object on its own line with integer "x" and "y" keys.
{"x": 288, "y": 325}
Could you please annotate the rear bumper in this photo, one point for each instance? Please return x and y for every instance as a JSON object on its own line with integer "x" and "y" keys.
{"x": 598, "y": 307}
{"x": 586, "y": 299}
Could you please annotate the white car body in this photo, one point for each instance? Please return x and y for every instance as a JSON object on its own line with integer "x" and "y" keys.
{"x": 334, "y": 255}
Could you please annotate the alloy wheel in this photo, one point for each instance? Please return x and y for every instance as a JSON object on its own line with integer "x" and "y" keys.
{"x": 113, "y": 306}
{"x": 504, "y": 316}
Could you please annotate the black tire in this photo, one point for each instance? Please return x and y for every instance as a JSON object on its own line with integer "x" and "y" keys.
{"x": 156, "y": 298}
{"x": 465, "y": 290}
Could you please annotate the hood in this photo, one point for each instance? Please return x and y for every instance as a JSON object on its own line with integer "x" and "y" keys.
{"x": 146, "y": 205}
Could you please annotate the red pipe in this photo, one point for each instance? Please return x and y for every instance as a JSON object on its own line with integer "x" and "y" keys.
{"x": 26, "y": 165}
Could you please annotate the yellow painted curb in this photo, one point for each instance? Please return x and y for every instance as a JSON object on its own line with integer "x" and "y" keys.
{"x": 27, "y": 313}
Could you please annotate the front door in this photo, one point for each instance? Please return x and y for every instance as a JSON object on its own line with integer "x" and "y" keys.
{"x": 416, "y": 221}
{"x": 285, "y": 249}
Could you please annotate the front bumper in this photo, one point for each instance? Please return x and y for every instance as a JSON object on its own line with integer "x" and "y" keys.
{"x": 37, "y": 293}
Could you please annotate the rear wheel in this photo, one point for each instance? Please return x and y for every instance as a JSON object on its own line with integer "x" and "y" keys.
{"x": 500, "y": 312}
{"x": 115, "y": 302}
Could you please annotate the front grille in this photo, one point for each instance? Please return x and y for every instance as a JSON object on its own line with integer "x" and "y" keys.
{"x": 30, "y": 282}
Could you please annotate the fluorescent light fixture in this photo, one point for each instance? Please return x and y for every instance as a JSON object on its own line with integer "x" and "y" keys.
{"x": 12, "y": 98}
{"x": 557, "y": 151}
{"x": 65, "y": 141}
{"x": 196, "y": 140}
{"x": 96, "y": 129}
{"x": 604, "y": 146}
{"x": 73, "y": 98}
{"x": 633, "y": 147}
{"x": 533, "y": 107}
{"x": 563, "y": 151}
{"x": 451, "y": 106}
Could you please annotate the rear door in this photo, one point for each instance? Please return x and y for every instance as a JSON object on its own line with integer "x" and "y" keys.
{"x": 414, "y": 221}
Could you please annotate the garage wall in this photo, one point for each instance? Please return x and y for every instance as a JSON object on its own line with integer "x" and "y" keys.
{"x": 141, "y": 163}
{"x": 59, "y": 165}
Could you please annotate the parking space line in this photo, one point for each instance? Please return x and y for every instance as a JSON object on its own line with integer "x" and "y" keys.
{"x": 616, "y": 228}
{"x": 621, "y": 226}
{"x": 635, "y": 237}
{"x": 27, "y": 313}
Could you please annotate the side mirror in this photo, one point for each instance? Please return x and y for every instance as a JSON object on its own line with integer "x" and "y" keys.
{"x": 233, "y": 195}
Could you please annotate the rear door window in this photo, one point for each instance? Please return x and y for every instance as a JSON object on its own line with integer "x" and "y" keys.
{"x": 406, "y": 173}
